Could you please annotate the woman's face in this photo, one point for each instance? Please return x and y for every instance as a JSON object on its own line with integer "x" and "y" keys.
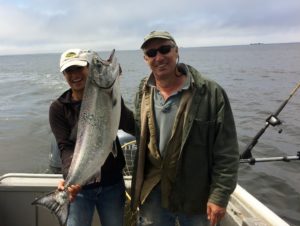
{"x": 76, "y": 77}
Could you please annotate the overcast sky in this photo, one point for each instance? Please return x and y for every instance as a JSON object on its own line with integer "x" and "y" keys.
{"x": 45, "y": 26}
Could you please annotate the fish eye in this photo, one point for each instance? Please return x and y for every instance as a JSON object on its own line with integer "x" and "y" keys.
{"x": 98, "y": 65}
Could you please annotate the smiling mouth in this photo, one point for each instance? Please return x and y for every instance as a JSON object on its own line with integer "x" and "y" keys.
{"x": 76, "y": 80}
{"x": 161, "y": 65}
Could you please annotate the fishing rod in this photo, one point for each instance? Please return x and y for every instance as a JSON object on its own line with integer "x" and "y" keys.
{"x": 252, "y": 161}
{"x": 272, "y": 120}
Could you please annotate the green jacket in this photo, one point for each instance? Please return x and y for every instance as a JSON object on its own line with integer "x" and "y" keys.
{"x": 208, "y": 161}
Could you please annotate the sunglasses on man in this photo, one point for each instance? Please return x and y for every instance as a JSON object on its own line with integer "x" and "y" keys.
{"x": 164, "y": 49}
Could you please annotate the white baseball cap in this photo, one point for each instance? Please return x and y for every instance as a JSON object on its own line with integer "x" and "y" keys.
{"x": 73, "y": 57}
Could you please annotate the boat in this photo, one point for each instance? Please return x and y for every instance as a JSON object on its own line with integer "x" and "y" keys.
{"x": 18, "y": 190}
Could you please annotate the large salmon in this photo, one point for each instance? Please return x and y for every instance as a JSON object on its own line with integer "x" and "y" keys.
{"x": 97, "y": 129}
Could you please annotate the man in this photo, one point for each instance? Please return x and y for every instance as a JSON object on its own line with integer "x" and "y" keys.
{"x": 107, "y": 194}
{"x": 187, "y": 163}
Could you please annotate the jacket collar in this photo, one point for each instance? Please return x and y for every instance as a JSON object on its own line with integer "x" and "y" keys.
{"x": 66, "y": 98}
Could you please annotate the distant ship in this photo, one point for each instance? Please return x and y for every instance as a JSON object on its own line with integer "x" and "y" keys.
{"x": 257, "y": 43}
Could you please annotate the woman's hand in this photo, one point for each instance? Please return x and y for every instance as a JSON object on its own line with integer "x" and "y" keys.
{"x": 73, "y": 190}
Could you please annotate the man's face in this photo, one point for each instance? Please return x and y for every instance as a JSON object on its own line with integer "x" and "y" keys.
{"x": 76, "y": 77}
{"x": 161, "y": 56}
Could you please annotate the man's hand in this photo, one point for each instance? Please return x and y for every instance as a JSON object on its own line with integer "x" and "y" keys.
{"x": 215, "y": 213}
{"x": 73, "y": 189}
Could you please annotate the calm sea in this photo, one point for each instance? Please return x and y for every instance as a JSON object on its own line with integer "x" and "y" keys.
{"x": 257, "y": 78}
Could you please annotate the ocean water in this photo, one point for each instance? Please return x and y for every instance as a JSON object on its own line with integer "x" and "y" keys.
{"x": 257, "y": 79}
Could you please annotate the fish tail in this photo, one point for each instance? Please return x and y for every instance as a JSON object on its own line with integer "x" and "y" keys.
{"x": 58, "y": 203}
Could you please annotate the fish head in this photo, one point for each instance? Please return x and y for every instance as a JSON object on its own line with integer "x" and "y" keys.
{"x": 104, "y": 72}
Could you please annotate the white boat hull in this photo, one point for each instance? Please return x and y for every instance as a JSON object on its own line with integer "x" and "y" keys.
{"x": 17, "y": 191}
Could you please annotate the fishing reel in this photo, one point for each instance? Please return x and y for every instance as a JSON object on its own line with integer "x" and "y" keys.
{"x": 274, "y": 121}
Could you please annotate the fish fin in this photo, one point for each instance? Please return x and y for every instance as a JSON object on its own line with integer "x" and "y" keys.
{"x": 58, "y": 203}
{"x": 111, "y": 55}
{"x": 114, "y": 149}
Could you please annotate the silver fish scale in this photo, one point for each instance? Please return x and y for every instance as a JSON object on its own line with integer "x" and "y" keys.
{"x": 91, "y": 119}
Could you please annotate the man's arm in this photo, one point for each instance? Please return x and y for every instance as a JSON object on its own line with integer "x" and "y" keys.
{"x": 225, "y": 157}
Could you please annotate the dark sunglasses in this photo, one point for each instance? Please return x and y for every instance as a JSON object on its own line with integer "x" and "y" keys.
{"x": 165, "y": 49}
